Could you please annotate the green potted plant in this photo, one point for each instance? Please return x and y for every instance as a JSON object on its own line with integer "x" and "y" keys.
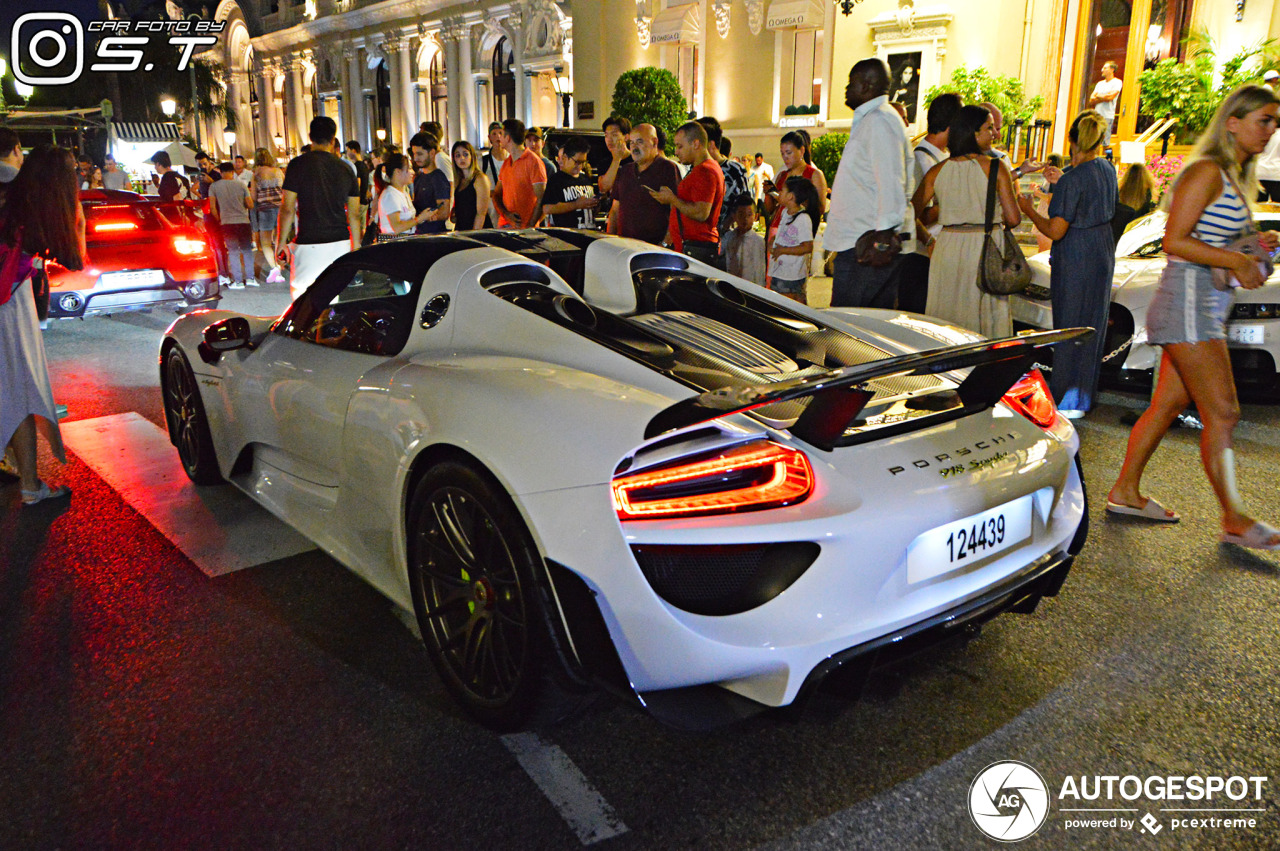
{"x": 825, "y": 152}
{"x": 978, "y": 85}
{"x": 1190, "y": 89}
{"x": 651, "y": 96}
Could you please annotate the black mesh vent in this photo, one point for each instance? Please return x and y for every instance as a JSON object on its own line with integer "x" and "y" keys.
{"x": 723, "y": 579}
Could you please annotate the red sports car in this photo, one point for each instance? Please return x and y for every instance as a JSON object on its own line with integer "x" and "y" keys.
{"x": 142, "y": 254}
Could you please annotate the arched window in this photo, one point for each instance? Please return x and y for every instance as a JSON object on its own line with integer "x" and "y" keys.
{"x": 504, "y": 81}
{"x": 382, "y": 98}
{"x": 437, "y": 76}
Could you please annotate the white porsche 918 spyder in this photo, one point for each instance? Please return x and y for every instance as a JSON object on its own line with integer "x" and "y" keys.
{"x": 587, "y": 460}
{"x": 1253, "y": 329}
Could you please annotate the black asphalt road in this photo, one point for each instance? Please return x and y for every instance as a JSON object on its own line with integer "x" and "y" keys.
{"x": 143, "y": 705}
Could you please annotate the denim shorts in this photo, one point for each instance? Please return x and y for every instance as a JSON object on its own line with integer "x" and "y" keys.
{"x": 783, "y": 287}
{"x": 264, "y": 218}
{"x": 1186, "y": 307}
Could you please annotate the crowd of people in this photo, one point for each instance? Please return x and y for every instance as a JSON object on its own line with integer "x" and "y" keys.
{"x": 904, "y": 224}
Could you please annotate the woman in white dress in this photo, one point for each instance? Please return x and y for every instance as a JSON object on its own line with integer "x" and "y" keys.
{"x": 42, "y": 220}
{"x": 960, "y": 185}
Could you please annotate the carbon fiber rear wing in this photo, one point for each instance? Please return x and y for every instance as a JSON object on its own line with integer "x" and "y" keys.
{"x": 839, "y": 396}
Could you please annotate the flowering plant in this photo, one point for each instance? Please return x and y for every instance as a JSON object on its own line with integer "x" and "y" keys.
{"x": 1164, "y": 170}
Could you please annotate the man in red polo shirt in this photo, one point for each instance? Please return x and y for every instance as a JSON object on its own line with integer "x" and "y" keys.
{"x": 521, "y": 180}
{"x": 695, "y": 205}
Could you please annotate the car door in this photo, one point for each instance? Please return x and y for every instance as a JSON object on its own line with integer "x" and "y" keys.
{"x": 353, "y": 320}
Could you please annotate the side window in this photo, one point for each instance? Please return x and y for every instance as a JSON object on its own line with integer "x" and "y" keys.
{"x": 372, "y": 314}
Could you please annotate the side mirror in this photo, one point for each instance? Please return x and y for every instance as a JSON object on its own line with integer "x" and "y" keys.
{"x": 225, "y": 335}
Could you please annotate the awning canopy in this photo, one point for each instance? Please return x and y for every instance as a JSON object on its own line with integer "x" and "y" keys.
{"x": 135, "y": 131}
{"x": 676, "y": 25}
{"x": 795, "y": 15}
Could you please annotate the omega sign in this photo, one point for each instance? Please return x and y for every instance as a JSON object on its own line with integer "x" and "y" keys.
{"x": 794, "y": 19}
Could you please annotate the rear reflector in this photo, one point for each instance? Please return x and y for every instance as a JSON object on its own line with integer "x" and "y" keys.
{"x": 747, "y": 477}
{"x": 1031, "y": 398}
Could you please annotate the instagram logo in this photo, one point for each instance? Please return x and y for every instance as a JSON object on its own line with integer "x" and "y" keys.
{"x": 45, "y": 42}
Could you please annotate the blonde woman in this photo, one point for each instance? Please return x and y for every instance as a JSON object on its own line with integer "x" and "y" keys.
{"x": 1209, "y": 208}
{"x": 264, "y": 190}
{"x": 1136, "y": 198}
{"x": 470, "y": 188}
{"x": 1081, "y": 261}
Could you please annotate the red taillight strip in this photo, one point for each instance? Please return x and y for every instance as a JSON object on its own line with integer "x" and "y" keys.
{"x": 1031, "y": 398}
{"x": 114, "y": 226}
{"x": 790, "y": 480}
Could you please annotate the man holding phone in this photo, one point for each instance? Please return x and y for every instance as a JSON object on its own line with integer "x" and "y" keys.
{"x": 432, "y": 189}
{"x": 695, "y": 203}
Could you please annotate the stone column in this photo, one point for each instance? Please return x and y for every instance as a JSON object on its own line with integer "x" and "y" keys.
{"x": 408, "y": 97}
{"x": 297, "y": 119}
{"x": 266, "y": 83}
{"x": 455, "y": 81}
{"x": 462, "y": 81}
{"x": 354, "y": 106}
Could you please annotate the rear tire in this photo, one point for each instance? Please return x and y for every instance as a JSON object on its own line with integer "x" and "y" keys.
{"x": 473, "y": 571}
{"x": 188, "y": 425}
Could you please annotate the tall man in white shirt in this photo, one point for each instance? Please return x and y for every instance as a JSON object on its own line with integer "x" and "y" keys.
{"x": 869, "y": 196}
{"x": 1105, "y": 95}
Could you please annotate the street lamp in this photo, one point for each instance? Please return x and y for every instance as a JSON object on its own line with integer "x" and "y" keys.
{"x": 229, "y": 136}
{"x": 563, "y": 84}
{"x": 381, "y": 134}
{"x": 279, "y": 140}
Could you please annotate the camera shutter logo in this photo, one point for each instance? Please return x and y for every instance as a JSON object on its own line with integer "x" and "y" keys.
{"x": 1008, "y": 801}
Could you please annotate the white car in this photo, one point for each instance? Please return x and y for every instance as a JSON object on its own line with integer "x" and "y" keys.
{"x": 588, "y": 459}
{"x": 1253, "y": 330}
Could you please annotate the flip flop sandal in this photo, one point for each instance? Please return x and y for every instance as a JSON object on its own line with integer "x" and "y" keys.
{"x": 44, "y": 492}
{"x": 1151, "y": 511}
{"x": 1254, "y": 538}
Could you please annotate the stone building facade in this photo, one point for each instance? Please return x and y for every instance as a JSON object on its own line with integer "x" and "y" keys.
{"x": 391, "y": 64}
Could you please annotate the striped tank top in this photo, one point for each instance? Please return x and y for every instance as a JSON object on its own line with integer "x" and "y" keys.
{"x": 1223, "y": 221}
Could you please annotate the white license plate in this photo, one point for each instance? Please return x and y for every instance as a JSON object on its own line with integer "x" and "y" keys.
{"x": 972, "y": 539}
{"x": 1250, "y": 335}
{"x": 141, "y": 278}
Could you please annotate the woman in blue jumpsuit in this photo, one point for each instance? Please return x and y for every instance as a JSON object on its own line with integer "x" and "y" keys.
{"x": 1081, "y": 261}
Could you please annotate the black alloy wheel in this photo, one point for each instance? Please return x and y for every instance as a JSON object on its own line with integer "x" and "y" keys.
{"x": 188, "y": 425}
{"x": 472, "y": 568}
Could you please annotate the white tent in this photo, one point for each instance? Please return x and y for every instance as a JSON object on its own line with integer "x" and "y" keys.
{"x": 134, "y": 143}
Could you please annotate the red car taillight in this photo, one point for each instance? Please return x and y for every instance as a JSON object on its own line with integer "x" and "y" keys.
{"x": 748, "y": 477}
{"x": 186, "y": 245}
{"x": 110, "y": 227}
{"x": 1031, "y": 398}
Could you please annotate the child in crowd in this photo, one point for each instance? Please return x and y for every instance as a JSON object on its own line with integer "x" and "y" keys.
{"x": 742, "y": 247}
{"x": 789, "y": 271}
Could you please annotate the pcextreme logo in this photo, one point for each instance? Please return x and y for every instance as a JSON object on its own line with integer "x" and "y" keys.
{"x": 1010, "y": 801}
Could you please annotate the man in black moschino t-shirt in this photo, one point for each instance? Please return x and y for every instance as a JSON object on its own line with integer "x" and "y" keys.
{"x": 570, "y": 200}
